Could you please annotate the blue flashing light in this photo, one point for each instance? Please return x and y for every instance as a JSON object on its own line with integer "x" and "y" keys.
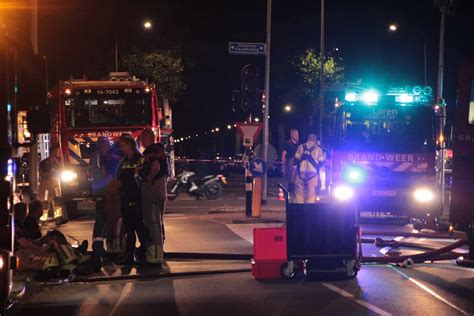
{"x": 9, "y": 107}
{"x": 370, "y": 97}
{"x": 354, "y": 175}
{"x": 351, "y": 97}
{"x": 405, "y": 98}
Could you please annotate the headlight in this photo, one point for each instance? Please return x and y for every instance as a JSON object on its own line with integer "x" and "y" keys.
{"x": 423, "y": 195}
{"x": 343, "y": 193}
{"x": 68, "y": 176}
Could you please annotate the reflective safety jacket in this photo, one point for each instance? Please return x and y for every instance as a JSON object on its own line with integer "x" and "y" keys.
{"x": 128, "y": 173}
{"x": 308, "y": 156}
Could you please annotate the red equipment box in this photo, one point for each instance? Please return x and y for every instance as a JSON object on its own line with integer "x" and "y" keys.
{"x": 269, "y": 252}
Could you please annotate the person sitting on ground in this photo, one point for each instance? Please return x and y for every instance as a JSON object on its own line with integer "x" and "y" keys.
{"x": 73, "y": 260}
{"x": 31, "y": 223}
{"x": 32, "y": 229}
{"x": 34, "y": 257}
{"x": 20, "y": 211}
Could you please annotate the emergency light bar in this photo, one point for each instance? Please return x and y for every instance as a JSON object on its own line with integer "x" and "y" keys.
{"x": 402, "y": 96}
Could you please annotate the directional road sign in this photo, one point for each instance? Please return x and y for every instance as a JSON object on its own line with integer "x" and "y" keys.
{"x": 239, "y": 48}
{"x": 258, "y": 167}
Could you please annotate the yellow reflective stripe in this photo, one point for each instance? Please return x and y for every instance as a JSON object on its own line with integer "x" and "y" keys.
{"x": 75, "y": 149}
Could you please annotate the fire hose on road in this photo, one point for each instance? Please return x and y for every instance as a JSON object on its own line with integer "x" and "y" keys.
{"x": 432, "y": 253}
{"x": 442, "y": 253}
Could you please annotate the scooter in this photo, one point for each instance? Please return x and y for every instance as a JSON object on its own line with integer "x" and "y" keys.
{"x": 209, "y": 186}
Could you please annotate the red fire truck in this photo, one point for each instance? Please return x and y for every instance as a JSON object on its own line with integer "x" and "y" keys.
{"x": 461, "y": 211}
{"x": 384, "y": 151}
{"x": 84, "y": 110}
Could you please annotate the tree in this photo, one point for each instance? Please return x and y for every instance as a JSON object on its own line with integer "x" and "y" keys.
{"x": 308, "y": 68}
{"x": 164, "y": 68}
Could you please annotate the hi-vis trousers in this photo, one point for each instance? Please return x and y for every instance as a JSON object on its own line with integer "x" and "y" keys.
{"x": 115, "y": 233}
{"x": 154, "y": 200}
{"x": 305, "y": 191}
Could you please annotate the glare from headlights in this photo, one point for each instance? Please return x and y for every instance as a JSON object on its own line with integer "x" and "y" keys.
{"x": 355, "y": 175}
{"x": 1, "y": 263}
{"x": 343, "y": 193}
{"x": 68, "y": 176}
{"x": 423, "y": 195}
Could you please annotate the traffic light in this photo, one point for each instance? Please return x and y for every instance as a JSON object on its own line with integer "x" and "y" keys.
{"x": 251, "y": 97}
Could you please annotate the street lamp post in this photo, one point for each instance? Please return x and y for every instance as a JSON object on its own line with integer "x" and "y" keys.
{"x": 439, "y": 96}
{"x": 147, "y": 25}
{"x": 266, "y": 111}
{"x": 116, "y": 51}
{"x": 321, "y": 79}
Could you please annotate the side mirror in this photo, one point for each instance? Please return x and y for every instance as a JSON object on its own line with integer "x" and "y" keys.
{"x": 39, "y": 121}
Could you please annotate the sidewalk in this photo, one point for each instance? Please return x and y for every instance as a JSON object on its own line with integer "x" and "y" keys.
{"x": 272, "y": 212}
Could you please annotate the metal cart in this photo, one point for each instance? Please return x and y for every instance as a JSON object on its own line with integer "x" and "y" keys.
{"x": 325, "y": 236}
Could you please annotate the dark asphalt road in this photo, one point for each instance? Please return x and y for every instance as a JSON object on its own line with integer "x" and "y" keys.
{"x": 427, "y": 289}
{"x": 380, "y": 290}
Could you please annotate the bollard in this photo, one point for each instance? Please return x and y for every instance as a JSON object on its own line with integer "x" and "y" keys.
{"x": 248, "y": 192}
{"x": 257, "y": 197}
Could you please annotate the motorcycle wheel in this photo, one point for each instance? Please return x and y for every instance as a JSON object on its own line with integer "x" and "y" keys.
{"x": 213, "y": 191}
{"x": 172, "y": 196}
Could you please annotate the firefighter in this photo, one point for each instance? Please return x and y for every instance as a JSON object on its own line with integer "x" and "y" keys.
{"x": 101, "y": 176}
{"x": 131, "y": 199}
{"x": 33, "y": 257}
{"x": 288, "y": 155}
{"x": 50, "y": 255}
{"x": 308, "y": 158}
{"x": 155, "y": 174}
{"x": 147, "y": 138}
{"x": 115, "y": 233}
{"x": 49, "y": 187}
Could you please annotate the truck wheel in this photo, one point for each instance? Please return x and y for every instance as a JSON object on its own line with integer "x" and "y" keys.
{"x": 70, "y": 208}
{"x": 351, "y": 268}
{"x": 288, "y": 269}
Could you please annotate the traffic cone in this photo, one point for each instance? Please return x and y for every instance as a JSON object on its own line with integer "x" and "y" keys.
{"x": 281, "y": 195}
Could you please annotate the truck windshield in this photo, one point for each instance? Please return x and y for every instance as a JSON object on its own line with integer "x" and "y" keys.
{"x": 398, "y": 129}
{"x": 107, "y": 108}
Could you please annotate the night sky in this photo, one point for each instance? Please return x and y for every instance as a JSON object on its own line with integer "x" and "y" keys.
{"x": 78, "y": 38}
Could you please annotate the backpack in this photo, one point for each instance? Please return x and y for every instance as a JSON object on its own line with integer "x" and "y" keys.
{"x": 308, "y": 158}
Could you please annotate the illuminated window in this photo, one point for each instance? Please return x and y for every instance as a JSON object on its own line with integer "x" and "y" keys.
{"x": 471, "y": 104}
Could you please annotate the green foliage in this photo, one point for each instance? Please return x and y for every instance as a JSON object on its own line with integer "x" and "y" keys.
{"x": 163, "y": 68}
{"x": 308, "y": 67}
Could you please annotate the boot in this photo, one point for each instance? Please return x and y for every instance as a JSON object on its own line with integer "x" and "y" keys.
{"x": 83, "y": 247}
{"x": 96, "y": 262}
{"x": 141, "y": 254}
{"x": 128, "y": 260}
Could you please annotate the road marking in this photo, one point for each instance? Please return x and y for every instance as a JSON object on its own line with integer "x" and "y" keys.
{"x": 348, "y": 295}
{"x": 126, "y": 290}
{"x": 174, "y": 215}
{"x": 428, "y": 290}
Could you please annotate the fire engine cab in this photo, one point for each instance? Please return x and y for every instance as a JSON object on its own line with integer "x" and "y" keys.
{"x": 384, "y": 150}
{"x": 84, "y": 110}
